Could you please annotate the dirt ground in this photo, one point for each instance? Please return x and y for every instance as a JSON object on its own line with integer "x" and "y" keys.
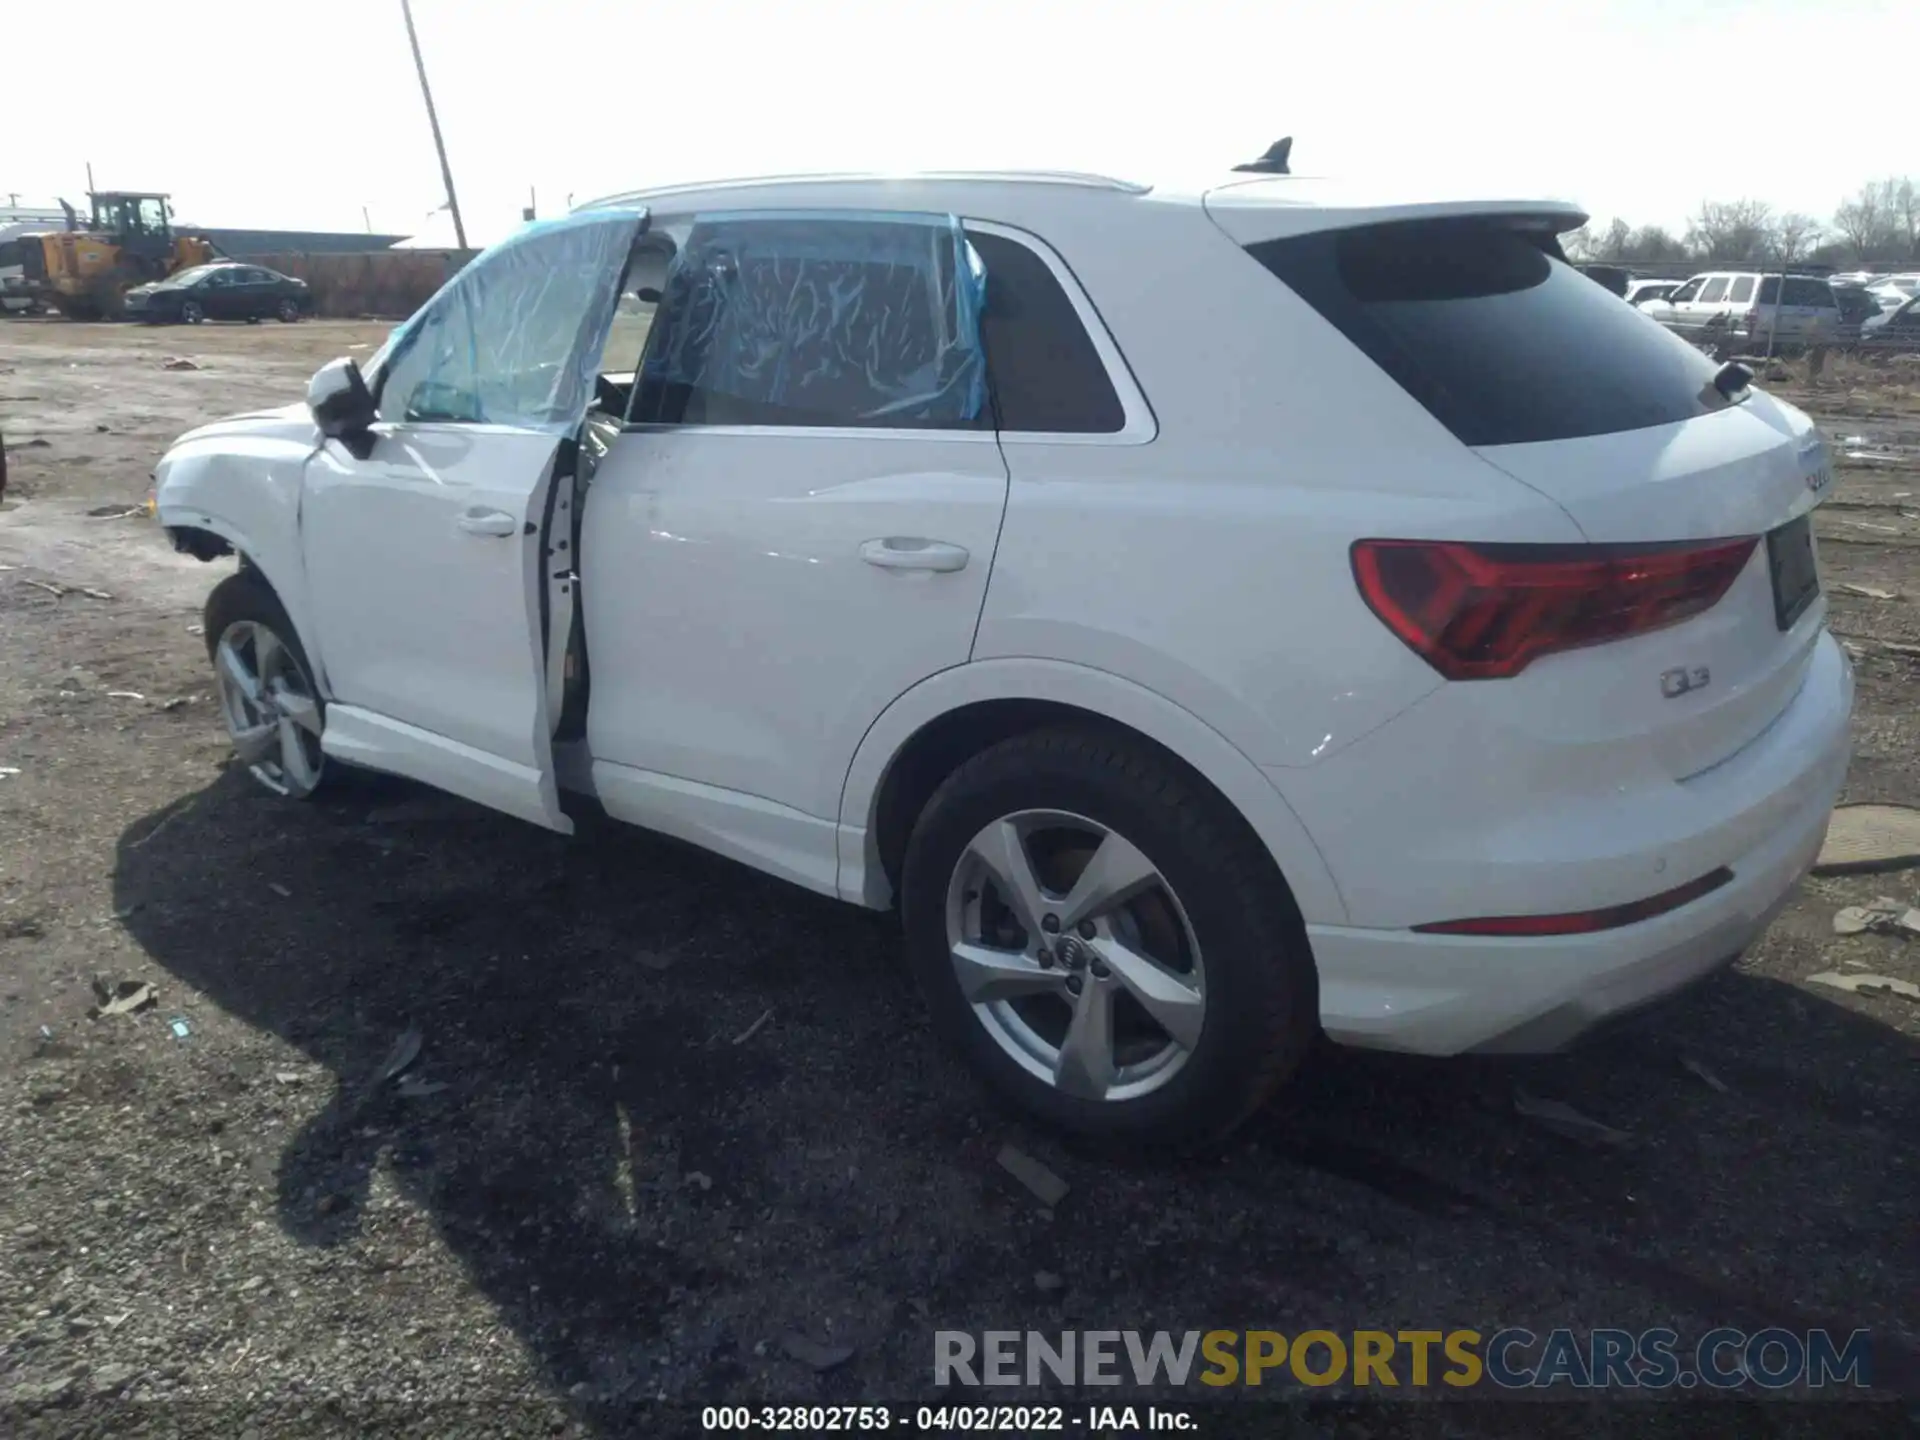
{"x": 689, "y": 1112}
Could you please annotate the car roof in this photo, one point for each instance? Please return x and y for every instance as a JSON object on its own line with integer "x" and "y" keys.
{"x": 1248, "y": 206}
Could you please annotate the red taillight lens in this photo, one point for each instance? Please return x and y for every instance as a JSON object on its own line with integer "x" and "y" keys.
{"x": 1584, "y": 922}
{"x": 1486, "y": 612}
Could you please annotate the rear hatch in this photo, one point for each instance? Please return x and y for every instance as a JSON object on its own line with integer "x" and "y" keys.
{"x": 1548, "y": 378}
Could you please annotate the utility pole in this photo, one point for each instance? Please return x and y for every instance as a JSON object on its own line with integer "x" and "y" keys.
{"x": 89, "y": 179}
{"x": 433, "y": 119}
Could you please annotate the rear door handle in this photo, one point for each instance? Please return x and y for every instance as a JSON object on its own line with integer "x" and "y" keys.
{"x": 489, "y": 522}
{"x": 909, "y": 552}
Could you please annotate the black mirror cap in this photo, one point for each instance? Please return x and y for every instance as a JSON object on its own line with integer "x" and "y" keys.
{"x": 339, "y": 399}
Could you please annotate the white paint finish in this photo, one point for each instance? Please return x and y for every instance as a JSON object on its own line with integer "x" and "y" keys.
{"x": 754, "y": 676}
{"x": 1440, "y": 995}
{"x": 770, "y": 837}
{"x": 379, "y": 742}
{"x": 1462, "y": 809}
{"x": 1738, "y": 471}
{"x": 1251, "y": 208}
{"x": 427, "y": 624}
{"x": 1212, "y": 566}
{"x": 737, "y": 637}
{"x": 239, "y": 478}
{"x": 1228, "y": 769}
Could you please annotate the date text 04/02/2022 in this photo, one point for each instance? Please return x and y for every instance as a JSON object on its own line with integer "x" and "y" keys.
{"x": 970, "y": 1419}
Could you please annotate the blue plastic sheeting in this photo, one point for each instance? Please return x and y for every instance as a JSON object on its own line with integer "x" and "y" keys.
{"x": 824, "y": 317}
{"x": 516, "y": 337}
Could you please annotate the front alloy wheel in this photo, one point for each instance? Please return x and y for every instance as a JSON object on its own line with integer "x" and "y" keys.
{"x": 1075, "y": 954}
{"x": 270, "y": 708}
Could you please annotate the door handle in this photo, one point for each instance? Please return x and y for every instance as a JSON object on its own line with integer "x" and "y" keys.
{"x": 906, "y": 552}
{"x": 489, "y": 522}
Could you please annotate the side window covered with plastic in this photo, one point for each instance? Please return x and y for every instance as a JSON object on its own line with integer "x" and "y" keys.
{"x": 818, "y": 319}
{"x": 515, "y": 337}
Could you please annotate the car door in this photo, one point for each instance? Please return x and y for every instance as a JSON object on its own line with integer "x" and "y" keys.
{"x": 1676, "y": 312}
{"x": 252, "y": 293}
{"x": 795, "y": 526}
{"x": 215, "y": 293}
{"x": 425, "y": 546}
{"x": 1707, "y": 311}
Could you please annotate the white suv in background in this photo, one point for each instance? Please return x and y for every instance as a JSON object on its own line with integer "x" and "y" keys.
{"x": 1212, "y": 616}
{"x": 1745, "y": 306}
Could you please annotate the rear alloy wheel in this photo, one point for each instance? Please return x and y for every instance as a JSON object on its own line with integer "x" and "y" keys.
{"x": 1105, "y": 941}
{"x": 289, "y": 310}
{"x": 1076, "y": 955}
{"x": 192, "y": 312}
{"x": 267, "y": 695}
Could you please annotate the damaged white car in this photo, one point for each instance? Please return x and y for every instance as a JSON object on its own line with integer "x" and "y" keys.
{"x": 1215, "y": 617}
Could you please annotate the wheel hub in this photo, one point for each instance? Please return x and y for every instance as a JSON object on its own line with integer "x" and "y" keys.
{"x": 1075, "y": 955}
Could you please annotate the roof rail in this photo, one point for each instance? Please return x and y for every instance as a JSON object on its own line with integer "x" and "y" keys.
{"x": 1274, "y": 162}
{"x": 1027, "y": 177}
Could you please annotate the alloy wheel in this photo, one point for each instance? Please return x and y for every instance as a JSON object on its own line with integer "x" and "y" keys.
{"x": 1075, "y": 955}
{"x": 270, "y": 709}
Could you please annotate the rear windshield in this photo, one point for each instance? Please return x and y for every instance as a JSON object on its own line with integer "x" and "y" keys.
{"x": 1500, "y": 341}
{"x": 1799, "y": 292}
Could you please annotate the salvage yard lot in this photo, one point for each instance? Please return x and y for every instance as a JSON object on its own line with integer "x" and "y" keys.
{"x": 669, "y": 1117}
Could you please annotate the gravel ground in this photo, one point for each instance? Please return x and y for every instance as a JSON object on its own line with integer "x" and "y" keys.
{"x": 668, "y": 1116}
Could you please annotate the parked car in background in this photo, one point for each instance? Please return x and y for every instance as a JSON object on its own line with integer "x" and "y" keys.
{"x": 1742, "y": 307}
{"x": 1857, "y": 305}
{"x": 1471, "y": 687}
{"x": 1895, "y": 328}
{"x": 225, "y": 290}
{"x": 1611, "y": 278}
{"x": 1640, "y": 291}
{"x": 1893, "y": 291}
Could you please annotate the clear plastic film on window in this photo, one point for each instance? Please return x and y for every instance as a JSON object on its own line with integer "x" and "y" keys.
{"x": 854, "y": 318}
{"x": 515, "y": 338}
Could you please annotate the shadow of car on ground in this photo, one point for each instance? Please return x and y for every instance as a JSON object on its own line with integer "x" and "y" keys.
{"x": 690, "y": 1109}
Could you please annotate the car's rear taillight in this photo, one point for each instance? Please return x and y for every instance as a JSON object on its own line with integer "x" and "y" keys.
{"x": 1486, "y": 612}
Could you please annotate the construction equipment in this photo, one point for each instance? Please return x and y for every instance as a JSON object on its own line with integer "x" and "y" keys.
{"x": 85, "y": 271}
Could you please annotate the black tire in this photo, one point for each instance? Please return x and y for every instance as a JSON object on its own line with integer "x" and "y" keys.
{"x": 289, "y": 311}
{"x": 244, "y": 596}
{"x": 1262, "y": 992}
{"x": 192, "y": 312}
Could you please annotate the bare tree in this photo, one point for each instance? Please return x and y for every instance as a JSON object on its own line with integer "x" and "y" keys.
{"x": 1653, "y": 244}
{"x": 1905, "y": 207}
{"x": 1616, "y": 244}
{"x": 1578, "y": 244}
{"x": 1730, "y": 229}
{"x": 1875, "y": 220}
{"x": 1793, "y": 235}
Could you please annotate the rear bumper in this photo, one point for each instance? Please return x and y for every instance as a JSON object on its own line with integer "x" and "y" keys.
{"x": 1440, "y": 994}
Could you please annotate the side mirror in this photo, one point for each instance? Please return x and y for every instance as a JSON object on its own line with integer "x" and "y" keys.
{"x": 342, "y": 405}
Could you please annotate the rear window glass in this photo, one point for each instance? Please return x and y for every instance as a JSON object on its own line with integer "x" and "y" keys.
{"x": 1799, "y": 292}
{"x": 1502, "y": 343}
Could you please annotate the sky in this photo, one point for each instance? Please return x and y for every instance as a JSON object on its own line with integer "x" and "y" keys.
{"x": 309, "y": 115}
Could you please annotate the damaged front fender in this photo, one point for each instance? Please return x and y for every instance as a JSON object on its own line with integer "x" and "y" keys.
{"x": 234, "y": 487}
